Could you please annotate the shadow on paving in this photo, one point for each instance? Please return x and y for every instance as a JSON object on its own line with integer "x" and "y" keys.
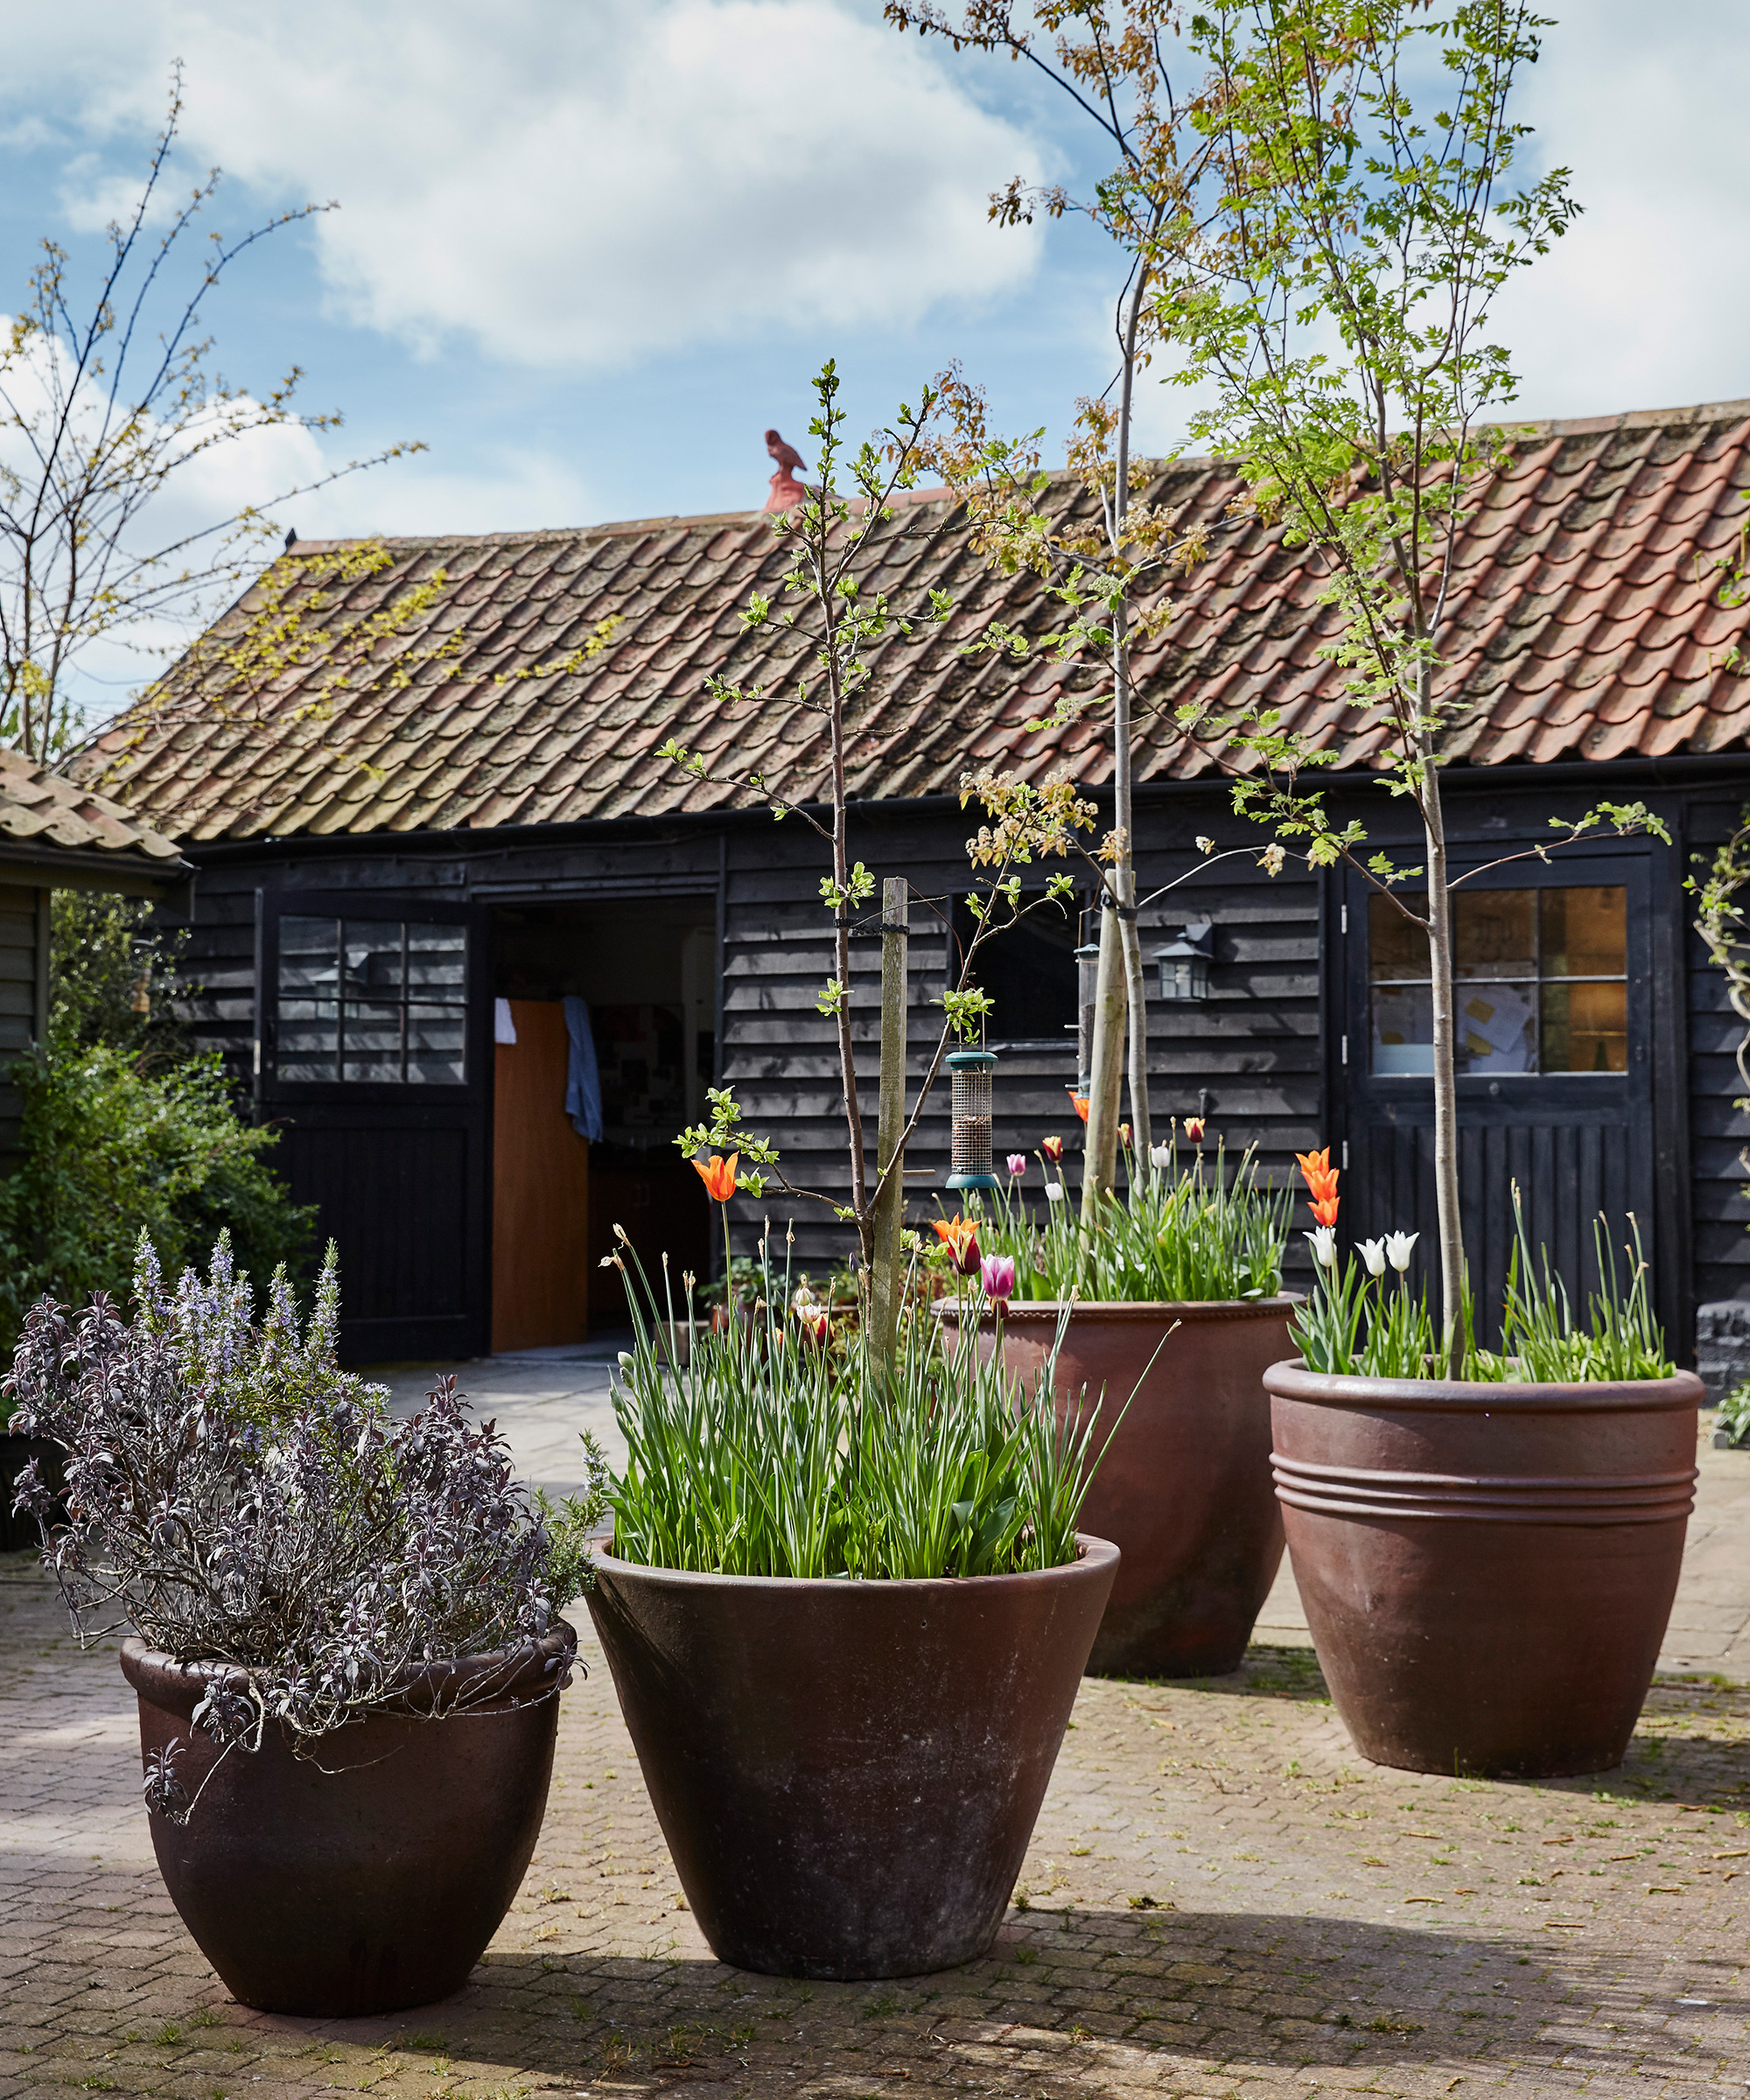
{"x": 1688, "y": 1747}
{"x": 1181, "y": 1990}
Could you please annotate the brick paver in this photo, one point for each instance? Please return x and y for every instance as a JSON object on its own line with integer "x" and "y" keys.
{"x": 1221, "y": 1899}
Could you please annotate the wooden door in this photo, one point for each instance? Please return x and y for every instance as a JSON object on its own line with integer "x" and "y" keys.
{"x": 374, "y": 1033}
{"x": 1555, "y": 1070}
{"x": 540, "y": 1188}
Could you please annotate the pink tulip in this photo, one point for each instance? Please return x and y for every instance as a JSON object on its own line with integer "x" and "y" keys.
{"x": 997, "y": 1273}
{"x": 1017, "y": 1165}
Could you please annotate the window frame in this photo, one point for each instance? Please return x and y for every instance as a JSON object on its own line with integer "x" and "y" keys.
{"x": 1537, "y": 977}
{"x": 1612, "y": 866}
{"x": 959, "y": 932}
{"x": 378, "y": 907}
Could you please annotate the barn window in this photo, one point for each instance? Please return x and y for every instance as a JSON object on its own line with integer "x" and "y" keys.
{"x": 1541, "y": 981}
{"x": 1029, "y": 971}
{"x": 373, "y": 1000}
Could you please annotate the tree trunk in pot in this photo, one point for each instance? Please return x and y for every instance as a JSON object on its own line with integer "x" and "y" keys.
{"x": 1184, "y": 1491}
{"x": 848, "y": 1773}
{"x": 369, "y": 1877}
{"x": 1487, "y": 1569}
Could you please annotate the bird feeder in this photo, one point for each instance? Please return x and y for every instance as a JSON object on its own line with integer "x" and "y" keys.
{"x": 1087, "y": 990}
{"x": 1183, "y": 964}
{"x": 969, "y": 1118}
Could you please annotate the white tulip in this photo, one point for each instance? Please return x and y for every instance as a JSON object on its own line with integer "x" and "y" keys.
{"x": 1373, "y": 1253}
{"x": 1160, "y": 1155}
{"x": 1053, "y": 1192}
{"x": 1324, "y": 1242}
{"x": 1398, "y": 1246}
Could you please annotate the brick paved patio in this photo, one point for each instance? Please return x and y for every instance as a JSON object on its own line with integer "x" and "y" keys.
{"x": 1221, "y": 1899}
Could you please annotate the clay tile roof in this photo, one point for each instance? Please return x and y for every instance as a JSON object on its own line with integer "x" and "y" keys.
{"x": 1585, "y": 622}
{"x": 45, "y": 811}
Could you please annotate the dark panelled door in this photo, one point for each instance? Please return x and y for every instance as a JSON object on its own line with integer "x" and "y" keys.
{"x": 1555, "y": 1067}
{"x": 375, "y": 1062}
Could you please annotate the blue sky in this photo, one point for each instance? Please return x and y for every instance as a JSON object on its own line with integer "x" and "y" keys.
{"x": 589, "y": 250}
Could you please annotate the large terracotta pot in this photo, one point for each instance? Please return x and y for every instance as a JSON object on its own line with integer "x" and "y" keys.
{"x": 848, "y": 1773}
{"x": 1184, "y": 1492}
{"x": 1487, "y": 1569}
{"x": 370, "y": 1877}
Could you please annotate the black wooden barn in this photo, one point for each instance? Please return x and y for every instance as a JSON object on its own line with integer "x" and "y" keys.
{"x": 415, "y": 802}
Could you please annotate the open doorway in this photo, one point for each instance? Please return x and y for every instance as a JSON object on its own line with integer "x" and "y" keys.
{"x": 625, "y": 991}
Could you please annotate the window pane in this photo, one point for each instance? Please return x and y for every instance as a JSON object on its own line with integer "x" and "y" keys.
{"x": 1585, "y": 1027}
{"x": 1497, "y": 1029}
{"x": 437, "y": 963}
{"x": 437, "y": 1039}
{"x": 1585, "y": 935}
{"x": 1403, "y": 1030}
{"x": 373, "y": 958}
{"x": 308, "y": 1039}
{"x": 1396, "y": 947}
{"x": 371, "y": 1037}
{"x": 1492, "y": 934}
{"x": 309, "y": 955}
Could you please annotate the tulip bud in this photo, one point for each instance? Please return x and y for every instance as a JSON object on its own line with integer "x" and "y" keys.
{"x": 1373, "y": 1253}
{"x": 1398, "y": 1246}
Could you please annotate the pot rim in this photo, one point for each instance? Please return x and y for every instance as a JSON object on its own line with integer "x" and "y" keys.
{"x": 428, "y": 1691}
{"x": 1130, "y": 1309}
{"x": 1291, "y": 1380}
{"x": 1096, "y": 1555}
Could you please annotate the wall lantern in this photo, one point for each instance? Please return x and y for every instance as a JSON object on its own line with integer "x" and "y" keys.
{"x": 1183, "y": 964}
{"x": 969, "y": 1109}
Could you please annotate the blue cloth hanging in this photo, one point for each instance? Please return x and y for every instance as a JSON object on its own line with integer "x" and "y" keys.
{"x": 583, "y": 1079}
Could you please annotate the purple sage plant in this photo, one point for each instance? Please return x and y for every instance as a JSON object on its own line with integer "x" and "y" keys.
{"x": 247, "y": 1507}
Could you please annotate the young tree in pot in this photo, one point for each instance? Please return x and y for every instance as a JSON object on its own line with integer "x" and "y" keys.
{"x": 848, "y": 1608}
{"x": 313, "y": 1595}
{"x": 1325, "y": 279}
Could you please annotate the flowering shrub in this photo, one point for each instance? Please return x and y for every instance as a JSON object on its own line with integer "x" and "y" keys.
{"x": 244, "y": 1505}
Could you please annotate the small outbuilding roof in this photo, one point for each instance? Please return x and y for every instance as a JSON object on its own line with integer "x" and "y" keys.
{"x": 52, "y": 829}
{"x": 424, "y": 683}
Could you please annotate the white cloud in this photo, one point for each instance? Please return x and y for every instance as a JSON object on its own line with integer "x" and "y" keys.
{"x": 1645, "y": 304}
{"x": 581, "y": 185}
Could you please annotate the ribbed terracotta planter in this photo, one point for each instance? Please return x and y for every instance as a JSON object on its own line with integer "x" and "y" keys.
{"x": 848, "y": 1773}
{"x": 1487, "y": 1569}
{"x": 1184, "y": 1492}
{"x": 371, "y": 1877}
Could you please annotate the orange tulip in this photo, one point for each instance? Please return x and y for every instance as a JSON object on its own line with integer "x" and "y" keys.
{"x": 1326, "y": 1210}
{"x": 718, "y": 1176}
{"x": 959, "y": 1235}
{"x": 1320, "y": 1176}
{"x": 1079, "y": 1102}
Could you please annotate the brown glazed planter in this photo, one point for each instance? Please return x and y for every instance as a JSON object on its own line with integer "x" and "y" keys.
{"x": 1487, "y": 1569}
{"x": 848, "y": 1773}
{"x": 1184, "y": 1492}
{"x": 372, "y": 1879}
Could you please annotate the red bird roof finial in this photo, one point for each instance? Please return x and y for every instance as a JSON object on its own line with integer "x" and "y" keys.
{"x": 787, "y": 491}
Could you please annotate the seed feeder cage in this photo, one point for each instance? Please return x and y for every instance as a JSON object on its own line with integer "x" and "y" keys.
{"x": 969, "y": 1118}
{"x": 1183, "y": 964}
{"x": 1087, "y": 987}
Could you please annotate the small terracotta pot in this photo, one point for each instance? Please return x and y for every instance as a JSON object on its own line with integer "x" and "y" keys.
{"x": 1184, "y": 1492}
{"x": 1487, "y": 1569}
{"x": 369, "y": 1877}
{"x": 848, "y": 1773}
